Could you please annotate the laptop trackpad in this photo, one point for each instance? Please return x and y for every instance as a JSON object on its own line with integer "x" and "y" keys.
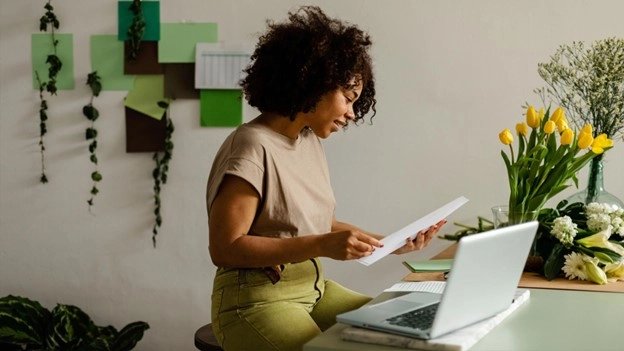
{"x": 409, "y": 302}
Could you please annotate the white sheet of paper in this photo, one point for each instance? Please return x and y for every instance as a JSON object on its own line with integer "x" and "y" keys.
{"x": 397, "y": 239}
{"x": 218, "y": 67}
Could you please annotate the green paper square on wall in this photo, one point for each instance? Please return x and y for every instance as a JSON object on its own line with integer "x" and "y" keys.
{"x": 178, "y": 40}
{"x": 151, "y": 14}
{"x": 41, "y": 47}
{"x": 221, "y": 108}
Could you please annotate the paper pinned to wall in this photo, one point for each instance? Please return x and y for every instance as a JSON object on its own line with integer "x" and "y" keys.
{"x": 219, "y": 67}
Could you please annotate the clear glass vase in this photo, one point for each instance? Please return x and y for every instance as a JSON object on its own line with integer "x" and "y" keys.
{"x": 595, "y": 191}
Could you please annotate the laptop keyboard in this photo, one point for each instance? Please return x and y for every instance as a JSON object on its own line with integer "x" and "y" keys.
{"x": 421, "y": 318}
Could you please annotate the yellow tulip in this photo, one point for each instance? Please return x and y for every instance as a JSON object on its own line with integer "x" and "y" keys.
{"x": 531, "y": 118}
{"x": 585, "y": 138}
{"x": 562, "y": 124}
{"x": 601, "y": 143}
{"x": 522, "y": 129}
{"x": 594, "y": 273}
{"x": 557, "y": 115}
{"x": 549, "y": 127}
{"x": 541, "y": 114}
{"x": 506, "y": 137}
{"x": 567, "y": 136}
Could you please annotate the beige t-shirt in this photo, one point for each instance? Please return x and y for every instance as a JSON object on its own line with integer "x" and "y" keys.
{"x": 291, "y": 177}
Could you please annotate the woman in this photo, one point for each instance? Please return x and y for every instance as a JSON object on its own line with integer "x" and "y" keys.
{"x": 269, "y": 199}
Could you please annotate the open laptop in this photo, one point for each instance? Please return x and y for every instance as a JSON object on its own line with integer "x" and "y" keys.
{"x": 482, "y": 282}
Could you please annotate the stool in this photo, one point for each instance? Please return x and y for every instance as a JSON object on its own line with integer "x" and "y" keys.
{"x": 205, "y": 339}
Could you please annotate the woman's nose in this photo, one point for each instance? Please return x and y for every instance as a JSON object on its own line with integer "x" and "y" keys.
{"x": 350, "y": 114}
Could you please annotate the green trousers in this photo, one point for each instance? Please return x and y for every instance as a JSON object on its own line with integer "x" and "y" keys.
{"x": 251, "y": 313}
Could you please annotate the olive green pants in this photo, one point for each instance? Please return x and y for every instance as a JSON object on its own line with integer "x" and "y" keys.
{"x": 251, "y": 313}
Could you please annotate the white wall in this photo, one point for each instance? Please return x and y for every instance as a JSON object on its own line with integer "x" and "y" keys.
{"x": 450, "y": 76}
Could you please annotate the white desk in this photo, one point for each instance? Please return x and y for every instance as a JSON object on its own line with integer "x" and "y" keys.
{"x": 550, "y": 320}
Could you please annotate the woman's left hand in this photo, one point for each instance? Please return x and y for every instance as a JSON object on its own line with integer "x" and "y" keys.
{"x": 422, "y": 239}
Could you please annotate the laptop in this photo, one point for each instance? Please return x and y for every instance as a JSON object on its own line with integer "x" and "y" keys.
{"x": 482, "y": 282}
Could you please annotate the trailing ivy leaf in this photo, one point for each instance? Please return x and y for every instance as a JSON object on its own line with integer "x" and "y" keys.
{"x": 90, "y": 112}
{"x": 93, "y": 158}
{"x": 91, "y": 133}
{"x": 163, "y": 104}
{"x": 93, "y": 146}
{"x": 94, "y": 190}
{"x": 96, "y": 176}
{"x": 93, "y": 81}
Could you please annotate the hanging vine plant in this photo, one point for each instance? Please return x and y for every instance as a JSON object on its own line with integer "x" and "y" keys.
{"x": 162, "y": 169}
{"x": 136, "y": 30}
{"x": 49, "y": 19}
{"x": 92, "y": 114}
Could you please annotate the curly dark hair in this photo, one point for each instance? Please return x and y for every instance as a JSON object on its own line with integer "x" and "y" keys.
{"x": 296, "y": 62}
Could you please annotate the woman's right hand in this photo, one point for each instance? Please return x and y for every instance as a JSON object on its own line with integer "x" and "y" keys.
{"x": 349, "y": 245}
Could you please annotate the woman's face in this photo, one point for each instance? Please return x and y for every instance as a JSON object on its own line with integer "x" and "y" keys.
{"x": 333, "y": 111}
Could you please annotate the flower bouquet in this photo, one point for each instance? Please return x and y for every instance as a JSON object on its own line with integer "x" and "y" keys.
{"x": 588, "y": 81}
{"x": 545, "y": 161}
{"x": 582, "y": 241}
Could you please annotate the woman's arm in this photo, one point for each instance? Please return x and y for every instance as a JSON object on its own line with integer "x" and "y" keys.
{"x": 231, "y": 216}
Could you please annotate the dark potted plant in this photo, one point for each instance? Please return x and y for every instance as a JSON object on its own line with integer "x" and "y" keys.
{"x": 27, "y": 325}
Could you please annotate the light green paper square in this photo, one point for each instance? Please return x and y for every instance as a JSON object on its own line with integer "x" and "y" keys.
{"x": 107, "y": 59}
{"x": 151, "y": 14}
{"x": 178, "y": 40}
{"x": 221, "y": 108}
{"x": 147, "y": 92}
{"x": 41, "y": 45}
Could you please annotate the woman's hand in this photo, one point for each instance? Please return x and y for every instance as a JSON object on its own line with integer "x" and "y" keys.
{"x": 422, "y": 239}
{"x": 349, "y": 244}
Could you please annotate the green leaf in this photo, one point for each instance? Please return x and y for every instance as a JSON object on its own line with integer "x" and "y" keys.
{"x": 129, "y": 336}
{"x": 91, "y": 133}
{"x": 554, "y": 262}
{"x": 70, "y": 328}
{"x": 22, "y": 321}
{"x": 96, "y": 176}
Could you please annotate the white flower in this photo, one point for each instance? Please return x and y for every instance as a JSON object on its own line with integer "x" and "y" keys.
{"x": 574, "y": 266}
{"x": 615, "y": 271}
{"x": 564, "y": 230}
{"x": 600, "y": 216}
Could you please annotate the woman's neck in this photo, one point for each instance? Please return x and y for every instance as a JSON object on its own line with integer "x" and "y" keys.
{"x": 280, "y": 124}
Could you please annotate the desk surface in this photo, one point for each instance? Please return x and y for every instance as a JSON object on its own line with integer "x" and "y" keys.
{"x": 550, "y": 320}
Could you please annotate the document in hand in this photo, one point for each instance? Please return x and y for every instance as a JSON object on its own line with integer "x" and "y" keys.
{"x": 397, "y": 239}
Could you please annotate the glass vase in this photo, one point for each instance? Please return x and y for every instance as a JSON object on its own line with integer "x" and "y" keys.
{"x": 503, "y": 218}
{"x": 595, "y": 191}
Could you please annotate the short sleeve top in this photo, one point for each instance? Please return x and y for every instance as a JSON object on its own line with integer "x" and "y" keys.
{"x": 290, "y": 176}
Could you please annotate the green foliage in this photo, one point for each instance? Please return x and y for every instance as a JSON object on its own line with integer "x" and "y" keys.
{"x": 483, "y": 225}
{"x": 49, "y": 19}
{"x": 136, "y": 29}
{"x": 160, "y": 172}
{"x": 92, "y": 114}
{"x": 588, "y": 80}
{"x": 26, "y": 325}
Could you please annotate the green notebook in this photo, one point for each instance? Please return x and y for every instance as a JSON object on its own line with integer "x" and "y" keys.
{"x": 443, "y": 265}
